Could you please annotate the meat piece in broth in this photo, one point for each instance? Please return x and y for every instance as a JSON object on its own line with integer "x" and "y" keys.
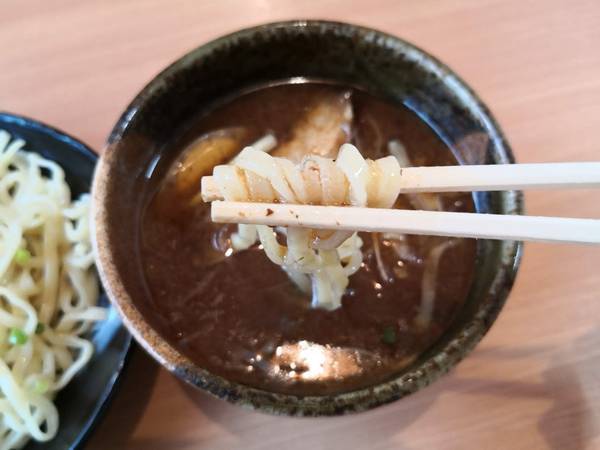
{"x": 323, "y": 128}
{"x": 199, "y": 158}
{"x": 196, "y": 161}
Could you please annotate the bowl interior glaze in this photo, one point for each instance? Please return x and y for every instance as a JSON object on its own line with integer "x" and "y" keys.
{"x": 385, "y": 66}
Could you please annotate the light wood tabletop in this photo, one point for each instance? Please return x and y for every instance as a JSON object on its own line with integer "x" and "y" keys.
{"x": 533, "y": 382}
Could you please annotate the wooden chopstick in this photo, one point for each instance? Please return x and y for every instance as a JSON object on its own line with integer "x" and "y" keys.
{"x": 491, "y": 177}
{"x": 488, "y": 226}
{"x": 500, "y": 177}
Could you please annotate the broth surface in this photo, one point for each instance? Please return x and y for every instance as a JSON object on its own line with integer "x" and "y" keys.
{"x": 239, "y": 315}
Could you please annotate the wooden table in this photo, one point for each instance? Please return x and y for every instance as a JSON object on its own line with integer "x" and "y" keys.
{"x": 533, "y": 383}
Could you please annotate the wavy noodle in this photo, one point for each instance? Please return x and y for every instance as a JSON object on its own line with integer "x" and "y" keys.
{"x": 427, "y": 201}
{"x": 48, "y": 292}
{"x": 318, "y": 258}
{"x": 428, "y": 282}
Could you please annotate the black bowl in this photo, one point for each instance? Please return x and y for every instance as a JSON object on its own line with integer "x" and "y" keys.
{"x": 82, "y": 402}
{"x": 383, "y": 65}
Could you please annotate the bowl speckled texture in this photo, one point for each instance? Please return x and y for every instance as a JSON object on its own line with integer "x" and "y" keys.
{"x": 385, "y": 66}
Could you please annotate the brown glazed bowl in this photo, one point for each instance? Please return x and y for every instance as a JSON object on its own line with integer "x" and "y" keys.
{"x": 382, "y": 64}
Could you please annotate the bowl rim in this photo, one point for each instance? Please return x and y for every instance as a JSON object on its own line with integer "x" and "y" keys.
{"x": 106, "y": 396}
{"x": 276, "y": 403}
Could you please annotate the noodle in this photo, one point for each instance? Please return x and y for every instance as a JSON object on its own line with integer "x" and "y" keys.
{"x": 428, "y": 283}
{"x": 246, "y": 235}
{"x": 48, "y": 292}
{"x": 425, "y": 200}
{"x": 322, "y": 259}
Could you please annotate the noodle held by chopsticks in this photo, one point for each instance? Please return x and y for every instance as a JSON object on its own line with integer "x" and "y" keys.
{"x": 321, "y": 259}
{"x": 48, "y": 292}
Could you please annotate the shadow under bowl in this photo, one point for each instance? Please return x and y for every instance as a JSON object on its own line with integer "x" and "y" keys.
{"x": 383, "y": 65}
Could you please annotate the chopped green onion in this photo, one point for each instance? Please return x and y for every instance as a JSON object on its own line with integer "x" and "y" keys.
{"x": 22, "y": 256}
{"x": 41, "y": 386}
{"x": 39, "y": 328}
{"x": 17, "y": 336}
{"x": 389, "y": 335}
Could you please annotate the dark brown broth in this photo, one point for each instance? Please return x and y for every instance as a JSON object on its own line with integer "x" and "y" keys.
{"x": 242, "y": 318}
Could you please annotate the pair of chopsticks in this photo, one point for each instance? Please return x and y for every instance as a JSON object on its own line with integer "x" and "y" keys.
{"x": 437, "y": 179}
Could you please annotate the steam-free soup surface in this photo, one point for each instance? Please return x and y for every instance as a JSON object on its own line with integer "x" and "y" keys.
{"x": 240, "y": 316}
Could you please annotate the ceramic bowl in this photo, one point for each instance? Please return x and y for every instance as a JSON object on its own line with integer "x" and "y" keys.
{"x": 384, "y": 65}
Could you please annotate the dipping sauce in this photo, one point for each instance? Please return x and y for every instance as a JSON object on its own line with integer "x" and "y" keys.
{"x": 237, "y": 314}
